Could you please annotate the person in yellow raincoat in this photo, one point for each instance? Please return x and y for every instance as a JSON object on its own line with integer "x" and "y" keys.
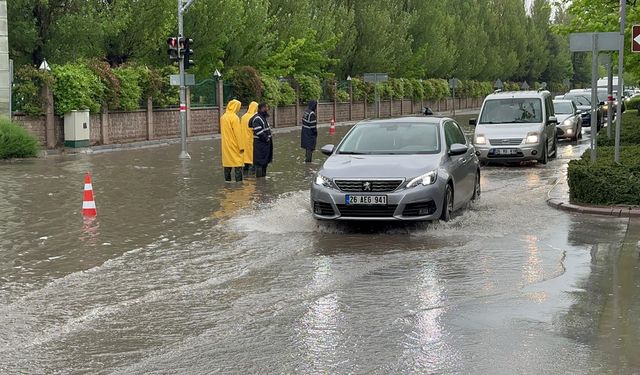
{"x": 248, "y": 147}
{"x": 233, "y": 141}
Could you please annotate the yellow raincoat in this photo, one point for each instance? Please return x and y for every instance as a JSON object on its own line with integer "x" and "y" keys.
{"x": 244, "y": 121}
{"x": 233, "y": 136}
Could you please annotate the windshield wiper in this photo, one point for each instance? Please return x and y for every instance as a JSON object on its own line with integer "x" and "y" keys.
{"x": 351, "y": 153}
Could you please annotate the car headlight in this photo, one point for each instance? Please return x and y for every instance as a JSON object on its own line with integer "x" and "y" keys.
{"x": 532, "y": 138}
{"x": 480, "y": 140}
{"x": 425, "y": 179}
{"x": 605, "y": 107}
{"x": 567, "y": 122}
{"x": 324, "y": 181}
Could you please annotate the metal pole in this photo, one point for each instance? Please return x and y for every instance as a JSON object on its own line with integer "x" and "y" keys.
{"x": 609, "y": 97}
{"x": 10, "y": 89}
{"x": 623, "y": 4}
{"x": 184, "y": 155}
{"x": 594, "y": 94}
{"x": 454, "y": 100}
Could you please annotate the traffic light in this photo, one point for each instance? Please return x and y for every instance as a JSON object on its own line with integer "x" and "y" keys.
{"x": 187, "y": 53}
{"x": 174, "y": 53}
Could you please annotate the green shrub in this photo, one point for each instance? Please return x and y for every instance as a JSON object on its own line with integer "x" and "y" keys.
{"x": 310, "y": 87}
{"x": 130, "y": 90}
{"x": 76, "y": 88}
{"x": 27, "y": 91}
{"x": 362, "y": 89}
{"x": 417, "y": 89}
{"x": 605, "y": 182}
{"x": 396, "y": 86}
{"x": 15, "y": 141}
{"x": 629, "y": 131}
{"x": 287, "y": 94}
{"x": 110, "y": 82}
{"x": 342, "y": 96}
{"x": 633, "y": 103}
{"x": 271, "y": 94}
{"x": 247, "y": 85}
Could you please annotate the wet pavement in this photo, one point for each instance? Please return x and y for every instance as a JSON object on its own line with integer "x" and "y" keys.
{"x": 181, "y": 273}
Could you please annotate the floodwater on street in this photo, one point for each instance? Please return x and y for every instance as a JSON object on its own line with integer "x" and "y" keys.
{"x": 182, "y": 273}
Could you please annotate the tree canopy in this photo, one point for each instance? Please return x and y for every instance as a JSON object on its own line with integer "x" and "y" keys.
{"x": 468, "y": 39}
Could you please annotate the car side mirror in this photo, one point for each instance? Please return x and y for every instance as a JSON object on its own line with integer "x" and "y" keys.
{"x": 578, "y": 112}
{"x": 327, "y": 149}
{"x": 473, "y": 122}
{"x": 553, "y": 120}
{"x": 458, "y": 149}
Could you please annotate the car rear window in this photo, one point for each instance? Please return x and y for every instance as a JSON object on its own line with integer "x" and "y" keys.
{"x": 564, "y": 108}
{"x": 512, "y": 110}
{"x": 392, "y": 138}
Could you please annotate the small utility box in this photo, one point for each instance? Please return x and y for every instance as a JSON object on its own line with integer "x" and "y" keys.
{"x": 76, "y": 129}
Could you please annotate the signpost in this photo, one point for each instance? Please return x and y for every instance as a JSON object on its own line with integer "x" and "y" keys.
{"x": 184, "y": 155}
{"x": 524, "y": 86}
{"x": 376, "y": 78}
{"x": 498, "y": 84}
{"x": 595, "y": 42}
{"x": 453, "y": 83}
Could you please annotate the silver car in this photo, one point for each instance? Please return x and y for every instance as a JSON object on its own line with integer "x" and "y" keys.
{"x": 569, "y": 120}
{"x": 414, "y": 168}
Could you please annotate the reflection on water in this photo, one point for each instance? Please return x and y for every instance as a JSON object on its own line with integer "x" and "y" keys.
{"x": 533, "y": 270}
{"x": 90, "y": 231}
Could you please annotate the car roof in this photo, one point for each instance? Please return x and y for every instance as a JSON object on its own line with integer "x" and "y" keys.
{"x": 519, "y": 94}
{"x": 407, "y": 120}
{"x": 562, "y": 101}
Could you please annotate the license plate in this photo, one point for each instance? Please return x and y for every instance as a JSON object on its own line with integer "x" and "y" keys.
{"x": 365, "y": 199}
{"x": 506, "y": 151}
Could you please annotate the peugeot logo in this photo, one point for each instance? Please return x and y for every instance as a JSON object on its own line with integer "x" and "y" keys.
{"x": 366, "y": 186}
{"x": 505, "y": 141}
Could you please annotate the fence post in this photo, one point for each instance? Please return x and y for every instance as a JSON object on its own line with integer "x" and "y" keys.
{"x": 402, "y": 106}
{"x": 297, "y": 107}
{"x": 50, "y": 132}
{"x": 366, "y": 115}
{"x": 275, "y": 116}
{"x": 335, "y": 100}
{"x": 104, "y": 126}
{"x": 390, "y": 105}
{"x": 149, "y": 119}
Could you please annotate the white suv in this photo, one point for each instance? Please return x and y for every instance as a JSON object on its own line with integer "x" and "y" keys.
{"x": 516, "y": 126}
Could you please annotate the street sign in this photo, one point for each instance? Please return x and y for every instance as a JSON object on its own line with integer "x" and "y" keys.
{"x": 189, "y": 80}
{"x": 376, "y": 77}
{"x": 635, "y": 38}
{"x": 582, "y": 42}
{"x": 453, "y": 83}
{"x": 525, "y": 85}
{"x": 498, "y": 84}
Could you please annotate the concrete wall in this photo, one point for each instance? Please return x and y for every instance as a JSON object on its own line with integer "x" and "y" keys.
{"x": 149, "y": 124}
{"x": 4, "y": 61}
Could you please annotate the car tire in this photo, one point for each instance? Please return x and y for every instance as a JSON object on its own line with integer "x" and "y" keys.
{"x": 447, "y": 204}
{"x": 545, "y": 154}
{"x": 476, "y": 188}
{"x": 555, "y": 148}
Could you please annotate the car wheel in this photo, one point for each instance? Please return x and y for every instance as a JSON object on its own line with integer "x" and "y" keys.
{"x": 447, "y": 204}
{"x": 476, "y": 189}
{"x": 545, "y": 154}
{"x": 555, "y": 148}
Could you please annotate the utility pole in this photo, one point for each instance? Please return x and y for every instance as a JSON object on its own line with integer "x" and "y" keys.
{"x": 184, "y": 155}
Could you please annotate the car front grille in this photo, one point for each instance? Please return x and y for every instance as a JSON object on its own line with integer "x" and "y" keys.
{"x": 366, "y": 211}
{"x": 322, "y": 209}
{"x": 505, "y": 141}
{"x": 419, "y": 209}
{"x": 374, "y": 186}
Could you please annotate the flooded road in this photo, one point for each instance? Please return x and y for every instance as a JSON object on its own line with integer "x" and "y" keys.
{"x": 181, "y": 273}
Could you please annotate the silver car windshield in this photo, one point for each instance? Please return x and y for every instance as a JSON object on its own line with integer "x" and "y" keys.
{"x": 563, "y": 108}
{"x": 392, "y": 139}
{"x": 579, "y": 99}
{"x": 512, "y": 110}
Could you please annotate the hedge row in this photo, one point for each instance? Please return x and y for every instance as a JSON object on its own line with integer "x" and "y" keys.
{"x": 605, "y": 182}
{"x": 629, "y": 131}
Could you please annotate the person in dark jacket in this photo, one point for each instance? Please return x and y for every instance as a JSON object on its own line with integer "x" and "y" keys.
{"x": 309, "y": 132}
{"x": 262, "y": 142}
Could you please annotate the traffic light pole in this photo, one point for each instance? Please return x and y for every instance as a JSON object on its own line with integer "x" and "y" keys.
{"x": 184, "y": 155}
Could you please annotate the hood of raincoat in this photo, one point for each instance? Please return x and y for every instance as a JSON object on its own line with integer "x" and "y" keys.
{"x": 312, "y": 105}
{"x": 253, "y": 108}
{"x": 234, "y": 106}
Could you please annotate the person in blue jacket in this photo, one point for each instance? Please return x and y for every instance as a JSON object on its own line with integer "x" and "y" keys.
{"x": 309, "y": 133}
{"x": 262, "y": 142}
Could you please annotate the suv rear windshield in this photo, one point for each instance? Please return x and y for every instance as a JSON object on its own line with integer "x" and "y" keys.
{"x": 512, "y": 110}
{"x": 563, "y": 108}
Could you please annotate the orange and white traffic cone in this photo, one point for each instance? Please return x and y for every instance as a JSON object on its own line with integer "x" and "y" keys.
{"x": 332, "y": 128}
{"x": 88, "y": 204}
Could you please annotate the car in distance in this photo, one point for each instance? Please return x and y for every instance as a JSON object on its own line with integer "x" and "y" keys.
{"x": 516, "y": 126}
{"x": 412, "y": 169}
{"x": 583, "y": 104}
{"x": 569, "y": 119}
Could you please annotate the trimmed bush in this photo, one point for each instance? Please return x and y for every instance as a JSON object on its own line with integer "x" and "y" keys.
{"x": 271, "y": 94}
{"x": 15, "y": 141}
{"x": 605, "y": 182}
{"x": 287, "y": 94}
{"x": 629, "y": 131}
{"x": 310, "y": 87}
{"x": 130, "y": 90}
{"x": 28, "y": 86}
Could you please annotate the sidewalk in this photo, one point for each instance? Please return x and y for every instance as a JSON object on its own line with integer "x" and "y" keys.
{"x": 558, "y": 197}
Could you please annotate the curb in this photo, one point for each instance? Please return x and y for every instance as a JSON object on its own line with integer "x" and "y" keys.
{"x": 617, "y": 211}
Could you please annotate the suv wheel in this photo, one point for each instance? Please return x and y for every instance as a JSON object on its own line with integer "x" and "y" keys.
{"x": 545, "y": 154}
